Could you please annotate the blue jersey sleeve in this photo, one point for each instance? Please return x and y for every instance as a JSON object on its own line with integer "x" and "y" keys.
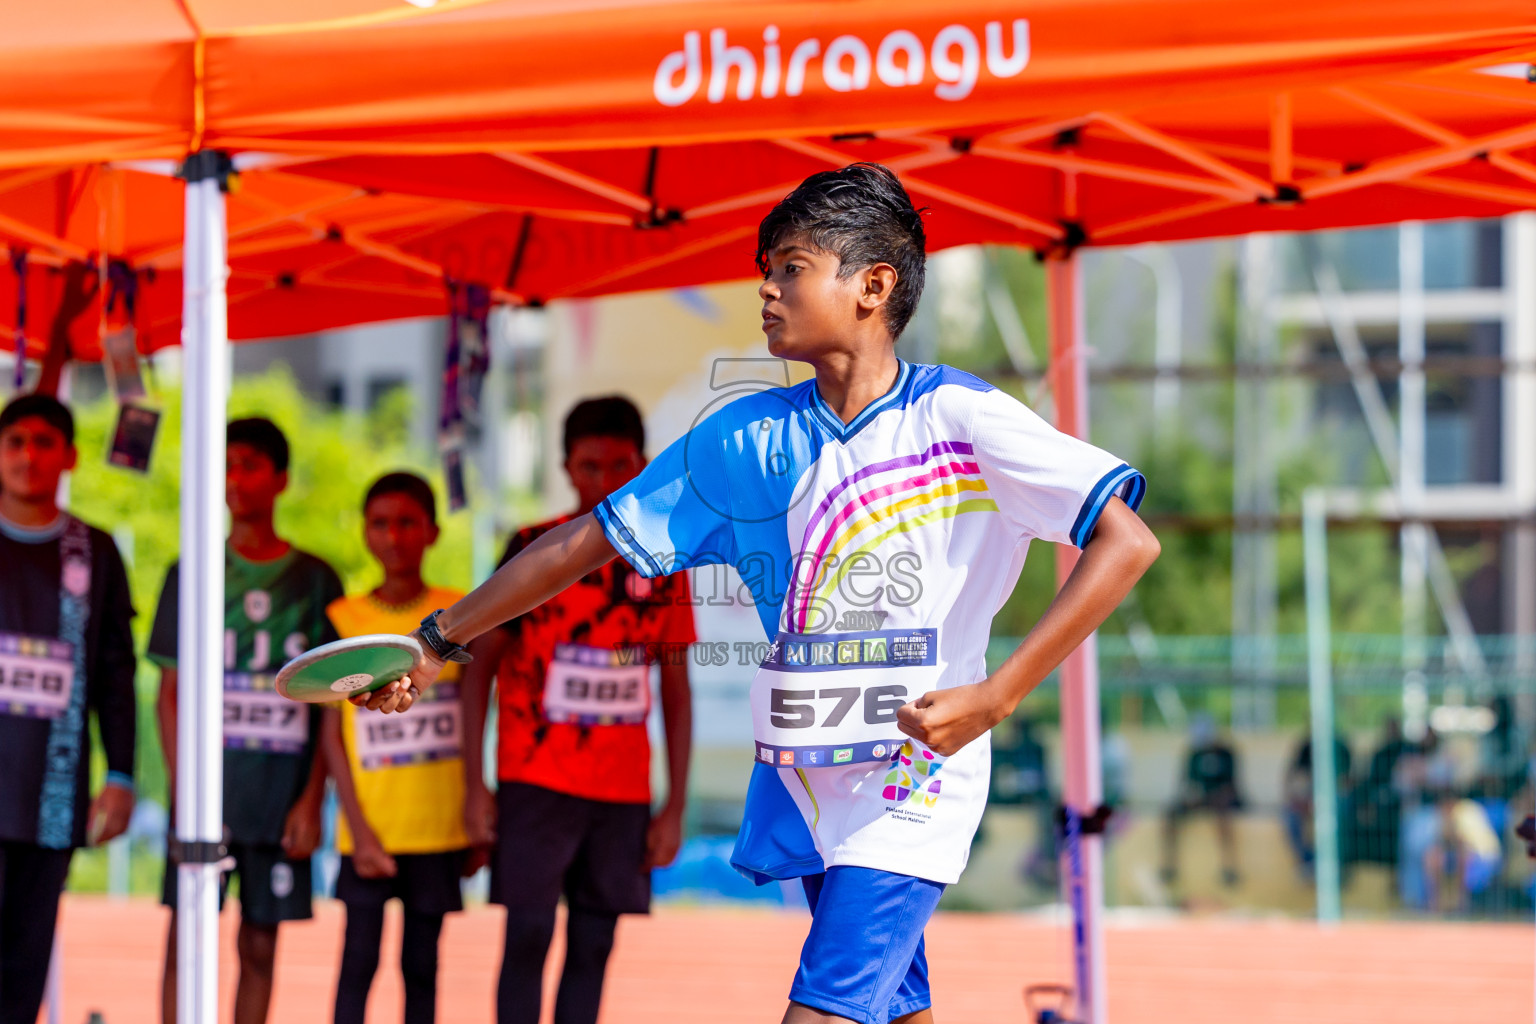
{"x": 674, "y": 515}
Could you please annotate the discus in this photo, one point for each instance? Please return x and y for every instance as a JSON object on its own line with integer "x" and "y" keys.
{"x": 359, "y": 664}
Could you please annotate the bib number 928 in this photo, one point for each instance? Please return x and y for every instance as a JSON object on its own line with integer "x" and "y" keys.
{"x": 797, "y": 709}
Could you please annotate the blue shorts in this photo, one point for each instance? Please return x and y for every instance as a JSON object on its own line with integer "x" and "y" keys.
{"x": 864, "y": 956}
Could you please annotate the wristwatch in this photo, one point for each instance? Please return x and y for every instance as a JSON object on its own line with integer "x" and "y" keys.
{"x": 442, "y": 648}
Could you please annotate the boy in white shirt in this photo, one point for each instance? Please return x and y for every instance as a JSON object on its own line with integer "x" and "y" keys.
{"x": 879, "y": 513}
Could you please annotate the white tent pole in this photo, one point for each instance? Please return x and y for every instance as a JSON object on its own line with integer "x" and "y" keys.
{"x": 200, "y": 653}
{"x": 1083, "y": 790}
{"x": 1325, "y": 800}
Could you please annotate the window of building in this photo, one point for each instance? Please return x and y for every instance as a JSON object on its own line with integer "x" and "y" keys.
{"x": 1347, "y": 439}
{"x": 1476, "y": 554}
{"x": 1463, "y": 411}
{"x": 1365, "y": 260}
{"x": 1463, "y": 404}
{"x": 1457, "y": 254}
{"x": 1463, "y": 254}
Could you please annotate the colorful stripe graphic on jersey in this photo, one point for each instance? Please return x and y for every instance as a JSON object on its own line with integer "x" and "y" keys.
{"x": 943, "y": 469}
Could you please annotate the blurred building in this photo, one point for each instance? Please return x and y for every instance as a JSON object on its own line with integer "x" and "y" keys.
{"x": 1411, "y": 355}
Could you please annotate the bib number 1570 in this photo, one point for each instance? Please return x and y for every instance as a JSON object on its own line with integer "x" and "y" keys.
{"x": 797, "y": 709}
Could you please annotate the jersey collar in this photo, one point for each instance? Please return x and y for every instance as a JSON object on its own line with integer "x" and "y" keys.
{"x": 34, "y": 534}
{"x": 844, "y": 432}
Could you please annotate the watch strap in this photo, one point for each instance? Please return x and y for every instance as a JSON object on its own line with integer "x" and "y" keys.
{"x": 442, "y": 648}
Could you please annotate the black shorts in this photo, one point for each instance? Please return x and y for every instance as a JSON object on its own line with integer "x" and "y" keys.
{"x": 425, "y": 883}
{"x": 273, "y": 889}
{"x": 31, "y": 879}
{"x": 550, "y": 844}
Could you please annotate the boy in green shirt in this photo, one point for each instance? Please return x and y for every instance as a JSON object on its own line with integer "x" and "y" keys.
{"x": 275, "y": 598}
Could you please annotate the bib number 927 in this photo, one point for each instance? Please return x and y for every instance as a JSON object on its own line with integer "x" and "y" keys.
{"x": 798, "y": 709}
{"x": 260, "y": 716}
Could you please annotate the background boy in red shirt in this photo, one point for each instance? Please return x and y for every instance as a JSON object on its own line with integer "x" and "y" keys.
{"x": 572, "y": 811}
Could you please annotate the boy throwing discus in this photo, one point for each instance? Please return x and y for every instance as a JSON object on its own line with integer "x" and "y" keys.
{"x": 880, "y": 515}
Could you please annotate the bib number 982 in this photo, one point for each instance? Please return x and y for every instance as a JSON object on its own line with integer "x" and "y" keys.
{"x": 797, "y": 709}
{"x": 604, "y": 691}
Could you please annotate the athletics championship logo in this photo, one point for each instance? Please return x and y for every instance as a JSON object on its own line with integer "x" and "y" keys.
{"x": 913, "y": 776}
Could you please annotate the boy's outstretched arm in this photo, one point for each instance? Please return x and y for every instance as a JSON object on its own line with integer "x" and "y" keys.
{"x": 543, "y": 569}
{"x": 1121, "y": 549}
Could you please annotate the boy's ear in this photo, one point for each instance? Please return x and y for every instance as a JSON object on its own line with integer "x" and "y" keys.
{"x": 879, "y": 281}
{"x": 282, "y": 481}
{"x": 71, "y": 458}
{"x": 433, "y": 532}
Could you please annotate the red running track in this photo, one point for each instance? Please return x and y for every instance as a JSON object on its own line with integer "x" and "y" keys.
{"x": 731, "y": 966}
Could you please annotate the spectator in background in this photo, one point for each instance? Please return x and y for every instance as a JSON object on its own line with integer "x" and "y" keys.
{"x": 1021, "y": 778}
{"x": 1424, "y": 772}
{"x": 275, "y": 598}
{"x": 1503, "y": 754}
{"x": 401, "y": 788}
{"x": 1383, "y": 764}
{"x": 1209, "y": 785}
{"x": 1376, "y": 805}
{"x": 1465, "y": 845}
{"x": 1298, "y": 798}
{"x": 572, "y": 812}
{"x": 65, "y": 652}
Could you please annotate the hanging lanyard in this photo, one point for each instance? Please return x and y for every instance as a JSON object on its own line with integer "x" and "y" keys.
{"x": 19, "y": 265}
{"x": 61, "y": 772}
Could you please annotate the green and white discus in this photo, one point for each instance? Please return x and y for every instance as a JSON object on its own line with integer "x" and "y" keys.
{"x": 358, "y": 664}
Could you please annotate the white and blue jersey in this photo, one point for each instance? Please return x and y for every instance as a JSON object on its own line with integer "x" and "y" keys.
{"x": 877, "y": 553}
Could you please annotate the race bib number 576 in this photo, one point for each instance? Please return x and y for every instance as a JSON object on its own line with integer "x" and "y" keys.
{"x": 828, "y": 700}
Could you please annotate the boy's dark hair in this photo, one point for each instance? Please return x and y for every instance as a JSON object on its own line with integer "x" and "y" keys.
{"x": 863, "y": 216}
{"x": 262, "y": 434}
{"x": 46, "y": 408}
{"x": 609, "y": 416}
{"x": 408, "y": 484}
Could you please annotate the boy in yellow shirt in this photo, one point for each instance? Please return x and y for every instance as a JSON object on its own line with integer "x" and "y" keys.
{"x": 400, "y": 780}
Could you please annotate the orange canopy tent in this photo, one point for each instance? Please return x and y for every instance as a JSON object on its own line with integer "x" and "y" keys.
{"x": 547, "y": 149}
{"x": 94, "y": 80}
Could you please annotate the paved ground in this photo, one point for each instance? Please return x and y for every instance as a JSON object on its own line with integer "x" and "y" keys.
{"x": 692, "y": 966}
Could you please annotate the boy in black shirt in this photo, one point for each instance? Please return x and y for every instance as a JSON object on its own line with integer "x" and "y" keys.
{"x": 65, "y": 650}
{"x": 275, "y": 598}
